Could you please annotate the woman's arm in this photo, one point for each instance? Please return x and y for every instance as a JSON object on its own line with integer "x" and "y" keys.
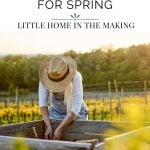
{"x": 59, "y": 131}
{"x": 45, "y": 116}
{"x": 77, "y": 98}
{"x": 43, "y": 103}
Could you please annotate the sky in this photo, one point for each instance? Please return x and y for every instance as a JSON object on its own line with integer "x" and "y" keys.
{"x": 60, "y": 42}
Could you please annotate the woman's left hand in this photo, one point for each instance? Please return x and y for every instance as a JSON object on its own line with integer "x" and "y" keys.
{"x": 58, "y": 134}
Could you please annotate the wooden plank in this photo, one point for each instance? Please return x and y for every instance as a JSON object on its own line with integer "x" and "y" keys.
{"x": 97, "y": 127}
{"x": 70, "y": 136}
{"x": 77, "y": 130}
{"x": 99, "y": 146}
{"x": 25, "y": 129}
{"x": 129, "y": 134}
{"x": 92, "y": 141}
{"x": 7, "y": 143}
{"x": 84, "y": 126}
{"x": 122, "y": 139}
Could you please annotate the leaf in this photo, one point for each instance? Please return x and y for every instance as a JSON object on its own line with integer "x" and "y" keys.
{"x": 72, "y": 16}
{"x": 78, "y": 16}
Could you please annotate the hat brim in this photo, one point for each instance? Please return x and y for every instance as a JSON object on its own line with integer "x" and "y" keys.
{"x": 61, "y": 85}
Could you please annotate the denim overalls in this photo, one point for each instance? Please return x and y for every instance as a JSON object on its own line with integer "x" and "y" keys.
{"x": 58, "y": 108}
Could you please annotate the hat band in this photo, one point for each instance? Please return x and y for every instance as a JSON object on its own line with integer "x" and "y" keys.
{"x": 60, "y": 79}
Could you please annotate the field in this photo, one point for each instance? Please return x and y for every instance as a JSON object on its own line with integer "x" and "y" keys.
{"x": 127, "y": 108}
{"x": 25, "y": 112}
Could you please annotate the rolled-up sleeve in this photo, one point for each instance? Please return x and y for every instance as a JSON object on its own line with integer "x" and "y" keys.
{"x": 77, "y": 94}
{"x": 43, "y": 95}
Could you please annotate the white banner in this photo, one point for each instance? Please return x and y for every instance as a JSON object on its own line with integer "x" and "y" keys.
{"x": 55, "y": 26}
{"x": 99, "y": 15}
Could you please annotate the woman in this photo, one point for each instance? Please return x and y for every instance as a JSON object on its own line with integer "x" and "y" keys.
{"x": 62, "y": 83}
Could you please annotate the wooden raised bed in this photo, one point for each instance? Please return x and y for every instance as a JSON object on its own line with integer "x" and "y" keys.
{"x": 79, "y": 135}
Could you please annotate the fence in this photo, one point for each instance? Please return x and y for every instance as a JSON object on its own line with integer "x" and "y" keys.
{"x": 99, "y": 91}
{"x": 117, "y": 93}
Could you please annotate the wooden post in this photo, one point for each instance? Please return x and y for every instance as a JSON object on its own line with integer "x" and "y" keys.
{"x": 17, "y": 104}
{"x": 119, "y": 102}
{"x": 116, "y": 87}
{"x": 5, "y": 103}
{"x": 145, "y": 92}
{"x": 122, "y": 94}
{"x": 110, "y": 99}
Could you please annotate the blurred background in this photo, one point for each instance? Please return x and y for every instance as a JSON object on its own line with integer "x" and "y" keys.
{"x": 115, "y": 71}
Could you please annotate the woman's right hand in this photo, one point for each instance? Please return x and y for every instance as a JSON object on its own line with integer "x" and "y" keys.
{"x": 48, "y": 128}
{"x": 49, "y": 133}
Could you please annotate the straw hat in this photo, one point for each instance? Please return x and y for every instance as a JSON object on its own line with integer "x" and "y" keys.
{"x": 56, "y": 72}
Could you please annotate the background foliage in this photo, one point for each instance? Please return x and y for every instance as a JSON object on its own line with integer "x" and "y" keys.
{"x": 97, "y": 67}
